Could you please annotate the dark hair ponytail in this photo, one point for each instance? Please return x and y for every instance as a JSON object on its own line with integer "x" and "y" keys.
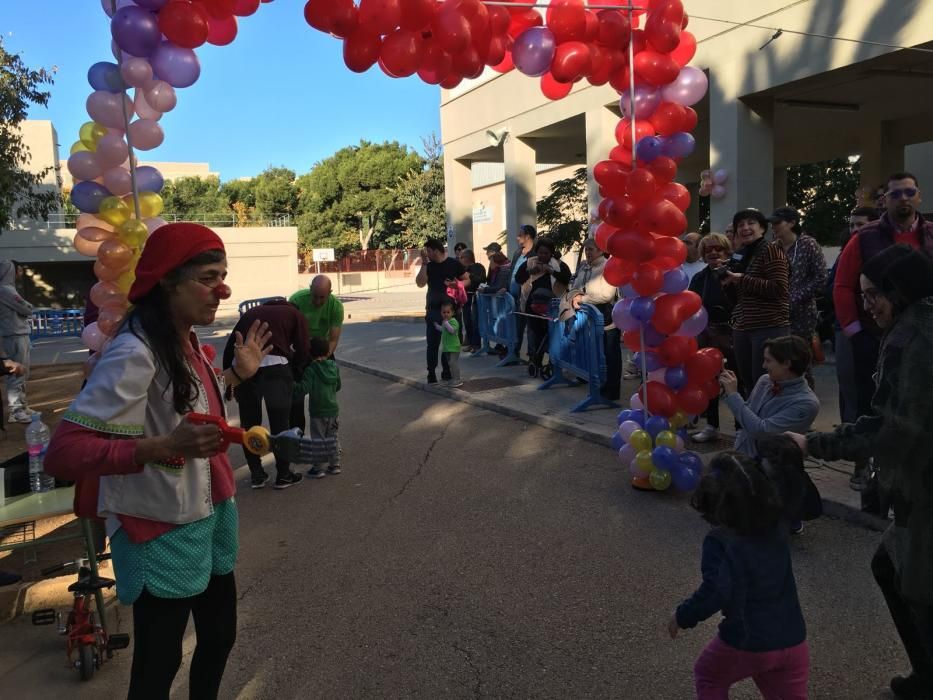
{"x": 151, "y": 321}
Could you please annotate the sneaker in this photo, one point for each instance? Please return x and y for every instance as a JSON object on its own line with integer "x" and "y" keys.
{"x": 796, "y": 528}
{"x": 445, "y": 376}
{"x": 334, "y": 469}
{"x": 708, "y": 434}
{"x": 432, "y": 378}
{"x": 910, "y": 687}
{"x": 316, "y": 473}
{"x": 454, "y": 383}
{"x": 21, "y": 417}
{"x": 258, "y": 482}
{"x": 290, "y": 479}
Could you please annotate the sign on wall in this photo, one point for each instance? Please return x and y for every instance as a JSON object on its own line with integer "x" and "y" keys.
{"x": 482, "y": 214}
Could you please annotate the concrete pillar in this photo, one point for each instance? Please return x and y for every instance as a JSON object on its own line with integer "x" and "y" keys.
{"x": 520, "y": 194}
{"x": 458, "y": 198}
{"x": 742, "y": 142}
{"x": 779, "y": 189}
{"x": 880, "y": 156}
{"x": 600, "y": 139}
{"x": 918, "y": 159}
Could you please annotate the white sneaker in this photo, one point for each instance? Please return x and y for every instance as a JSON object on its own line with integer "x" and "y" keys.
{"x": 454, "y": 383}
{"x": 708, "y": 434}
{"x": 21, "y": 417}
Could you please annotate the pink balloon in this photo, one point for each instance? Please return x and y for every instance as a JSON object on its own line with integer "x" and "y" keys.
{"x": 92, "y": 337}
{"x": 627, "y": 428}
{"x": 106, "y": 274}
{"x": 112, "y": 150}
{"x": 89, "y": 220}
{"x": 136, "y": 72}
{"x": 153, "y": 223}
{"x": 146, "y": 134}
{"x": 718, "y": 191}
{"x": 109, "y": 320}
{"x": 118, "y": 181}
{"x": 720, "y": 176}
{"x": 688, "y": 87}
{"x": 144, "y": 109}
{"x": 105, "y": 108}
{"x": 84, "y": 165}
{"x": 86, "y": 247}
{"x": 161, "y": 96}
{"x": 95, "y": 235}
{"x": 635, "y": 402}
{"x": 106, "y": 294}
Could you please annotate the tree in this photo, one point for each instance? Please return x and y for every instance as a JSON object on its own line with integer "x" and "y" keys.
{"x": 421, "y": 197}
{"x": 276, "y": 192}
{"x": 349, "y": 200}
{"x": 824, "y": 193}
{"x": 22, "y": 193}
{"x": 195, "y": 199}
{"x": 563, "y": 213}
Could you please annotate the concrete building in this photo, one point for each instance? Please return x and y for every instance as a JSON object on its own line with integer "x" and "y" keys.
{"x": 803, "y": 98}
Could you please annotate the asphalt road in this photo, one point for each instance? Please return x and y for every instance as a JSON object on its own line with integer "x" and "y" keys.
{"x": 465, "y": 554}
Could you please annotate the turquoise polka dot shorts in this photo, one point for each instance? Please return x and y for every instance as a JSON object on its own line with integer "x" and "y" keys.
{"x": 180, "y": 563}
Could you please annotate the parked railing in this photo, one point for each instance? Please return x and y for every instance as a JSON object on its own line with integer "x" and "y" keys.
{"x": 56, "y": 323}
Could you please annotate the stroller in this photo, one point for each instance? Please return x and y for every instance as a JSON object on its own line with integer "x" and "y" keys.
{"x": 539, "y": 304}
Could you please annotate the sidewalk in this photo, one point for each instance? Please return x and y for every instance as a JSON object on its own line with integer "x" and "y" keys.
{"x": 396, "y": 351}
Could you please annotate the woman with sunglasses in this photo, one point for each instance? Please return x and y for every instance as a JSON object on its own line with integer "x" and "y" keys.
{"x": 897, "y": 288}
{"x": 162, "y": 483}
{"x": 715, "y": 250}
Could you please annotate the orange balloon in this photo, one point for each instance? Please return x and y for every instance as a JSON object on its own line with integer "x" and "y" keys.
{"x": 86, "y": 247}
{"x": 114, "y": 254}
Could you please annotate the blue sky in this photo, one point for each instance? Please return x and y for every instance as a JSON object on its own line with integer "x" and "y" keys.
{"x": 278, "y": 95}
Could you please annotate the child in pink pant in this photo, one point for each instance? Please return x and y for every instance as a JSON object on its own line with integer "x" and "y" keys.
{"x": 747, "y": 574}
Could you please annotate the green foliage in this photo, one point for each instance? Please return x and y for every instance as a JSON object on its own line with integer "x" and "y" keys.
{"x": 195, "y": 199}
{"x": 349, "y": 201}
{"x": 563, "y": 212}
{"x": 240, "y": 191}
{"x": 22, "y": 193}
{"x": 276, "y": 192}
{"x": 824, "y": 193}
{"x": 421, "y": 197}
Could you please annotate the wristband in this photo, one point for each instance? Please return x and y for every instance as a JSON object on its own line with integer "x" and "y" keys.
{"x": 239, "y": 378}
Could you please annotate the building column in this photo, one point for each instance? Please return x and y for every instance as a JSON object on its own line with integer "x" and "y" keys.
{"x": 520, "y": 195}
{"x": 458, "y": 198}
{"x": 918, "y": 159}
{"x": 780, "y": 188}
{"x": 600, "y": 139}
{"x": 741, "y": 142}
{"x": 880, "y": 156}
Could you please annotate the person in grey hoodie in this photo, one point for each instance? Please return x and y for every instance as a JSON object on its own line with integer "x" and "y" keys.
{"x": 15, "y": 313}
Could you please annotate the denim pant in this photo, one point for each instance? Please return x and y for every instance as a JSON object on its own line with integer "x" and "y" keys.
{"x": 780, "y": 675}
{"x": 16, "y": 348}
{"x": 272, "y": 385}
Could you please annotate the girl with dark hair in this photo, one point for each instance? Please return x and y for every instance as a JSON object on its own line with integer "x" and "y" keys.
{"x": 897, "y": 286}
{"x": 162, "y": 483}
{"x": 543, "y": 277}
{"x": 747, "y": 574}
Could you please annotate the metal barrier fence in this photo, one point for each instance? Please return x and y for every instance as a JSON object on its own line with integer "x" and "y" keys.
{"x": 496, "y": 313}
{"x": 251, "y": 303}
{"x": 56, "y": 323}
{"x": 575, "y": 347}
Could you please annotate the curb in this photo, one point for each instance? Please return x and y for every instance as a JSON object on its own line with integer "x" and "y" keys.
{"x": 831, "y": 508}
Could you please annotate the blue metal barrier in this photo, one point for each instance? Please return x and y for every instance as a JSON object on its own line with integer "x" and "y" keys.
{"x": 576, "y": 347}
{"x": 496, "y": 313}
{"x": 251, "y": 303}
{"x": 56, "y": 323}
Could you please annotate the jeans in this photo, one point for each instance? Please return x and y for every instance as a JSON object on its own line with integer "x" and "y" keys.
{"x": 159, "y": 628}
{"x": 433, "y": 337}
{"x": 16, "y": 348}
{"x": 612, "y": 343}
{"x": 780, "y": 675}
{"x": 749, "y": 347}
{"x": 914, "y": 623}
{"x": 471, "y": 321}
{"x": 274, "y": 386}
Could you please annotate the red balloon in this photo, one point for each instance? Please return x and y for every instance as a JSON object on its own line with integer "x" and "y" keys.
{"x": 692, "y": 400}
{"x": 632, "y": 339}
{"x": 382, "y": 16}
{"x": 661, "y": 400}
{"x": 468, "y": 63}
{"x": 618, "y": 272}
{"x": 676, "y": 349}
{"x": 668, "y": 118}
{"x": 416, "y": 14}
{"x": 661, "y": 216}
{"x": 222, "y": 31}
{"x": 643, "y": 129}
{"x": 506, "y": 64}
{"x": 648, "y": 279}
{"x": 185, "y": 24}
{"x": 361, "y": 50}
{"x": 451, "y": 28}
{"x": 677, "y": 194}
{"x": 499, "y": 19}
{"x": 631, "y": 245}
{"x": 344, "y": 18}
{"x": 498, "y": 50}
{"x": 620, "y": 211}
{"x": 623, "y": 155}
{"x": 665, "y": 21}
{"x": 451, "y": 81}
{"x": 401, "y": 53}
{"x": 641, "y": 185}
{"x": 567, "y": 20}
{"x": 435, "y": 63}
{"x": 244, "y": 8}
{"x": 667, "y": 314}
{"x": 655, "y": 68}
{"x": 704, "y": 365}
{"x": 552, "y": 89}
{"x": 602, "y": 65}
{"x": 603, "y": 232}
{"x": 611, "y": 175}
{"x": 218, "y": 9}
{"x": 690, "y": 119}
{"x": 614, "y": 29}
{"x": 572, "y": 60}
{"x": 522, "y": 20}
{"x": 685, "y": 50}
{"x": 671, "y": 247}
{"x": 663, "y": 168}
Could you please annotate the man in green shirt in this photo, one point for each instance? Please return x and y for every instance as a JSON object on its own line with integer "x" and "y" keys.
{"x": 324, "y": 314}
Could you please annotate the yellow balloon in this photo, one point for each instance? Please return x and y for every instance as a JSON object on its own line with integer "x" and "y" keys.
{"x": 150, "y": 204}
{"x": 679, "y": 419}
{"x": 90, "y": 133}
{"x": 133, "y": 232}
{"x": 113, "y": 210}
{"x": 125, "y": 281}
{"x": 660, "y": 479}
{"x": 666, "y": 439}
{"x": 640, "y": 440}
{"x": 643, "y": 462}
{"x": 79, "y": 146}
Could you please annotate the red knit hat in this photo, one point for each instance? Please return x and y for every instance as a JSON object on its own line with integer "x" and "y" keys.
{"x": 169, "y": 247}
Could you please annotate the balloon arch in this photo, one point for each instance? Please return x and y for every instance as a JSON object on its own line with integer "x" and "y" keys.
{"x": 642, "y": 52}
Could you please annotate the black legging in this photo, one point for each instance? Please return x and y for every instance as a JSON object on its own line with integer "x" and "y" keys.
{"x": 159, "y": 628}
{"x": 274, "y": 386}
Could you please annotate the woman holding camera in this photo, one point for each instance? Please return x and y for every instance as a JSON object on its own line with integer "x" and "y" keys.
{"x": 757, "y": 280}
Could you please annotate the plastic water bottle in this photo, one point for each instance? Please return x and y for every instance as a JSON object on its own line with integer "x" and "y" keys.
{"x": 37, "y": 443}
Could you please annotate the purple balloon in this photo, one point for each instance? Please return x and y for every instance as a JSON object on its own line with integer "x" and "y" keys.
{"x": 675, "y": 377}
{"x": 675, "y": 281}
{"x": 679, "y": 145}
{"x": 688, "y": 87}
{"x": 178, "y": 67}
{"x": 626, "y": 454}
{"x": 694, "y": 325}
{"x": 647, "y": 100}
{"x": 652, "y": 361}
{"x": 533, "y": 51}
{"x": 642, "y": 309}
{"x": 622, "y": 315}
{"x": 87, "y": 196}
{"x": 629, "y": 291}
{"x": 153, "y": 5}
{"x": 107, "y": 5}
{"x": 149, "y": 179}
{"x": 683, "y": 477}
{"x": 627, "y": 428}
{"x": 617, "y": 442}
{"x": 655, "y": 425}
{"x": 639, "y": 416}
{"x": 649, "y": 148}
{"x": 105, "y": 76}
{"x": 691, "y": 460}
{"x": 653, "y": 337}
{"x": 136, "y": 30}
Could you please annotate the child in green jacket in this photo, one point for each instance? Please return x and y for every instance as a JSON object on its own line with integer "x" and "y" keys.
{"x": 321, "y": 382}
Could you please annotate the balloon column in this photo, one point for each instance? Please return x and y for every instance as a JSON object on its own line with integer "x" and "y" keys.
{"x": 713, "y": 184}
{"x": 153, "y": 47}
